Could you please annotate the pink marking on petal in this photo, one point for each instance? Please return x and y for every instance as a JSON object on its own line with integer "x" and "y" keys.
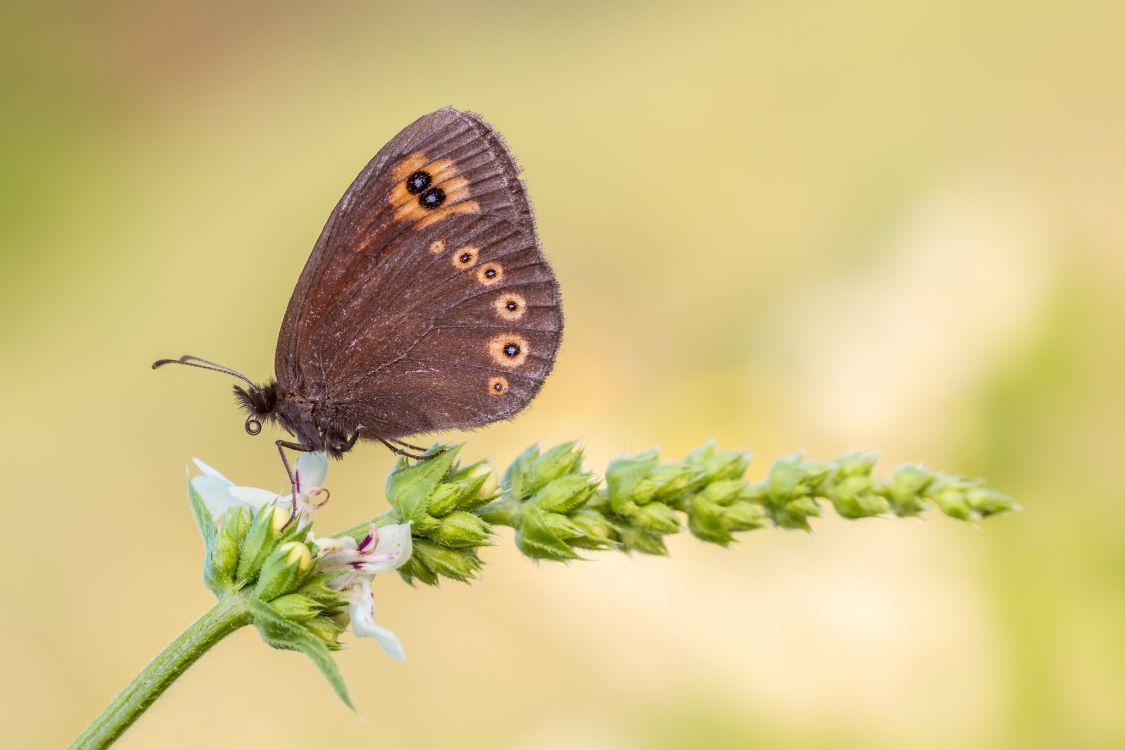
{"x": 366, "y": 541}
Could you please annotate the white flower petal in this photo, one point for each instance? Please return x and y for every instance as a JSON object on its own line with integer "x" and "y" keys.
{"x": 312, "y": 468}
{"x": 215, "y": 493}
{"x": 210, "y": 472}
{"x": 395, "y": 542}
{"x": 362, "y": 611}
{"x": 253, "y": 496}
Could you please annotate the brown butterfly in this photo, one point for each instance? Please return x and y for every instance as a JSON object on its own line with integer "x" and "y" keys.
{"x": 426, "y": 305}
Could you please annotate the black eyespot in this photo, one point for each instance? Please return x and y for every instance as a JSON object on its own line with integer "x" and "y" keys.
{"x": 512, "y": 306}
{"x": 465, "y": 257}
{"x": 498, "y": 387}
{"x": 511, "y": 350}
{"x": 432, "y": 198}
{"x": 418, "y": 181}
{"x": 490, "y": 273}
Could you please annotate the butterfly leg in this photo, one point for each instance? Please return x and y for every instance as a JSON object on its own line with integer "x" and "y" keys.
{"x": 294, "y": 480}
{"x": 410, "y": 446}
{"x": 405, "y": 453}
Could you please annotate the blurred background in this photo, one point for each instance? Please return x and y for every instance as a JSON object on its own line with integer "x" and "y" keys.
{"x": 819, "y": 226}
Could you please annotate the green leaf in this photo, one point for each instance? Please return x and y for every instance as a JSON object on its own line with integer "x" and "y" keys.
{"x": 281, "y": 633}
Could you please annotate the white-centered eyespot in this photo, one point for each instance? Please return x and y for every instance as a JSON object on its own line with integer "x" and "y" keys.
{"x": 508, "y": 350}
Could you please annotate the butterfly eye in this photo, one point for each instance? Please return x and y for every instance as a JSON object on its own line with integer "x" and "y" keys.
{"x": 510, "y": 306}
{"x": 432, "y": 198}
{"x": 490, "y": 273}
{"x": 508, "y": 350}
{"x": 418, "y": 182}
{"x": 498, "y": 386}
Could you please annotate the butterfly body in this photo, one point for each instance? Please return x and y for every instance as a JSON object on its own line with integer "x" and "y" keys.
{"x": 426, "y": 304}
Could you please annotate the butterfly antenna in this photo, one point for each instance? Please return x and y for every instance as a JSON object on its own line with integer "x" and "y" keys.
{"x": 189, "y": 360}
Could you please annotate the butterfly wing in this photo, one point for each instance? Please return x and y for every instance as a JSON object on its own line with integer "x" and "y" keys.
{"x": 427, "y": 303}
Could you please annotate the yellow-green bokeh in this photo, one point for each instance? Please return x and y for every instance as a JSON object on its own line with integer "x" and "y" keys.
{"x": 819, "y": 226}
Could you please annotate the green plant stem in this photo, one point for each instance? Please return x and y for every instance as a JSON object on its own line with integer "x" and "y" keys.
{"x": 228, "y": 615}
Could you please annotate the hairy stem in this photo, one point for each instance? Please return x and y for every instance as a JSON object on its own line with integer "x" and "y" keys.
{"x": 228, "y": 615}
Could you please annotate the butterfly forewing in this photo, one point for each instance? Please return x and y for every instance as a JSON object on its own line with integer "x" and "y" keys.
{"x": 427, "y": 302}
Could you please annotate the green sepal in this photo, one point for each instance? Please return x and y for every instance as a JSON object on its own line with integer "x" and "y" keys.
{"x": 638, "y": 540}
{"x": 460, "y": 565}
{"x": 624, "y": 474}
{"x": 565, "y": 493}
{"x": 414, "y": 570}
{"x": 557, "y": 462}
{"x": 285, "y": 634}
{"x": 296, "y": 607}
{"x": 260, "y": 540}
{"x": 203, "y": 520}
{"x": 461, "y": 529}
{"x": 284, "y": 571}
{"x": 317, "y": 588}
{"x": 705, "y": 521}
{"x": 655, "y": 517}
{"x": 409, "y": 485}
{"x": 538, "y": 536}
{"x": 219, "y": 575}
{"x": 905, "y": 488}
{"x": 597, "y": 531}
{"x": 328, "y": 630}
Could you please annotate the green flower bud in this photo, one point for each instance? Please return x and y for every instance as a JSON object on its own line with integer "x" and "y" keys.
{"x": 723, "y": 492}
{"x": 444, "y": 499}
{"x": 638, "y": 540}
{"x": 296, "y": 607}
{"x": 327, "y": 629}
{"x": 716, "y": 465}
{"x": 566, "y": 493}
{"x": 318, "y": 588}
{"x": 557, "y": 462}
{"x": 663, "y": 482}
{"x": 544, "y": 536}
{"x": 283, "y": 571}
{"x": 743, "y": 515}
{"x": 415, "y": 570}
{"x": 461, "y": 529}
{"x": 224, "y": 557}
{"x": 458, "y": 564}
{"x": 597, "y": 532}
{"x": 480, "y": 485}
{"x": 950, "y": 494}
{"x": 706, "y": 521}
{"x": 410, "y": 486}
{"x": 261, "y": 539}
{"x": 854, "y": 497}
{"x": 624, "y": 474}
{"x": 905, "y": 488}
{"x": 655, "y": 517}
{"x": 987, "y": 502}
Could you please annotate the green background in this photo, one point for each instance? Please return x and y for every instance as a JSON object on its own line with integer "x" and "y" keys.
{"x": 808, "y": 225}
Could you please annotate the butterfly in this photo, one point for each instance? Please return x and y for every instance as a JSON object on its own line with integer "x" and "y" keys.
{"x": 427, "y": 303}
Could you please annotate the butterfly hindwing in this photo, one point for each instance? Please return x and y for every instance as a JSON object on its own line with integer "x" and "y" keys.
{"x": 427, "y": 302}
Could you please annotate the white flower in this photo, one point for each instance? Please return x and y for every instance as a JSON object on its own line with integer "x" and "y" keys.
{"x": 380, "y": 551}
{"x": 220, "y": 494}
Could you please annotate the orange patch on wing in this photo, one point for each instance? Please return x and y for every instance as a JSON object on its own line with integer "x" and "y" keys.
{"x": 490, "y": 273}
{"x": 508, "y": 350}
{"x": 438, "y": 246}
{"x": 498, "y": 386}
{"x": 510, "y": 306}
{"x": 465, "y": 257}
{"x": 445, "y": 175}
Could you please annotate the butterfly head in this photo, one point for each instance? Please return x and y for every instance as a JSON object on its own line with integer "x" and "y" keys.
{"x": 260, "y": 402}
